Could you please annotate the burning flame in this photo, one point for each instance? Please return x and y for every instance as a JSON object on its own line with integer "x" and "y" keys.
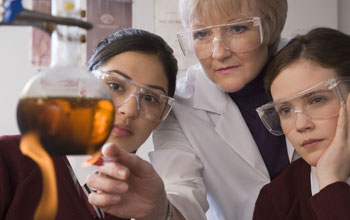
{"x": 47, "y": 208}
{"x": 96, "y": 159}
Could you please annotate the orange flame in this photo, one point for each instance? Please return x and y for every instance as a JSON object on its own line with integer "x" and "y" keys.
{"x": 95, "y": 159}
{"x": 47, "y": 208}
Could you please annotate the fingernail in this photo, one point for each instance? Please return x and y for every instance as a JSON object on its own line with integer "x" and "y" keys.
{"x": 104, "y": 148}
{"x": 122, "y": 173}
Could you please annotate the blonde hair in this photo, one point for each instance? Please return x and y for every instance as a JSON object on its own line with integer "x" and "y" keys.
{"x": 272, "y": 12}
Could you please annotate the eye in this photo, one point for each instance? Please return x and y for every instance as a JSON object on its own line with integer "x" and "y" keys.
{"x": 317, "y": 100}
{"x": 151, "y": 98}
{"x": 114, "y": 86}
{"x": 236, "y": 29}
{"x": 201, "y": 35}
{"x": 284, "y": 111}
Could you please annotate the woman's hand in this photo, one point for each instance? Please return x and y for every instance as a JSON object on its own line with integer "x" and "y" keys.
{"x": 334, "y": 164}
{"x": 129, "y": 188}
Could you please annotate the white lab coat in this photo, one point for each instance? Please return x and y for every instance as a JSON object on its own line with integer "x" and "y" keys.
{"x": 206, "y": 155}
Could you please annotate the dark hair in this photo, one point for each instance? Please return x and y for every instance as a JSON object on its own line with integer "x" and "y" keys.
{"x": 136, "y": 40}
{"x": 325, "y": 46}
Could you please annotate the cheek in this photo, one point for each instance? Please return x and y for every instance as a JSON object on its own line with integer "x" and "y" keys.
{"x": 330, "y": 128}
{"x": 324, "y": 129}
{"x": 143, "y": 129}
{"x": 257, "y": 60}
{"x": 250, "y": 65}
{"x": 206, "y": 65}
{"x": 293, "y": 138}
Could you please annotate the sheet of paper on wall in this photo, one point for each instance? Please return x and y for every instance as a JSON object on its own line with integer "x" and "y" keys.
{"x": 41, "y": 41}
{"x": 108, "y": 16}
{"x": 166, "y": 24}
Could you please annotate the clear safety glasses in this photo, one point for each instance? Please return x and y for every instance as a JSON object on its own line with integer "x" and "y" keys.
{"x": 151, "y": 104}
{"x": 322, "y": 101}
{"x": 238, "y": 36}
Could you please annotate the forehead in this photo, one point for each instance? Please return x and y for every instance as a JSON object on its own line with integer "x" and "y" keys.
{"x": 142, "y": 68}
{"x": 211, "y": 12}
{"x": 298, "y": 76}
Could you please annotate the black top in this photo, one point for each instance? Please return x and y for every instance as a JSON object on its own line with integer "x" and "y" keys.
{"x": 272, "y": 148}
{"x": 289, "y": 197}
{"x": 21, "y": 186}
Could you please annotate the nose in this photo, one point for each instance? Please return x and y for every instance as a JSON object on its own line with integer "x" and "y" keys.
{"x": 129, "y": 108}
{"x": 302, "y": 122}
{"x": 219, "y": 50}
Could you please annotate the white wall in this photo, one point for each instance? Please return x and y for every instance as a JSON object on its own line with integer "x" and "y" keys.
{"x": 15, "y": 71}
{"x": 15, "y": 46}
{"x": 143, "y": 14}
{"x": 307, "y": 14}
{"x": 344, "y": 16}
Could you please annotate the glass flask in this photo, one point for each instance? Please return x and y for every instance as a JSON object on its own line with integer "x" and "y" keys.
{"x": 70, "y": 110}
{"x": 62, "y": 110}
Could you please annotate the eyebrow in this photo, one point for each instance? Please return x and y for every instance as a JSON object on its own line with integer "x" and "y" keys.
{"x": 305, "y": 96}
{"x": 129, "y": 78}
{"x": 201, "y": 25}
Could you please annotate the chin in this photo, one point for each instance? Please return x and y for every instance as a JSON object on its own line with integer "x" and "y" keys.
{"x": 312, "y": 160}
{"x": 230, "y": 87}
{"x": 312, "y": 163}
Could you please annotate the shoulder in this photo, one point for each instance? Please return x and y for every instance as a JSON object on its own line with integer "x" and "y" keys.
{"x": 12, "y": 161}
{"x": 15, "y": 168}
{"x": 297, "y": 168}
{"x": 282, "y": 198}
{"x": 197, "y": 91}
{"x": 289, "y": 183}
{"x": 9, "y": 148}
{"x": 9, "y": 140}
{"x": 185, "y": 86}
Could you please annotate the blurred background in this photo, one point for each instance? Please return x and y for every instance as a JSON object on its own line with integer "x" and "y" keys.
{"x": 19, "y": 62}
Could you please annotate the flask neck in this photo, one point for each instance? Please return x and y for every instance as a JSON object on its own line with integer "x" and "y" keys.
{"x": 66, "y": 44}
{"x": 66, "y": 47}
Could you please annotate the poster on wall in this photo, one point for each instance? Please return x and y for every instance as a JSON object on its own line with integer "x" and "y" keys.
{"x": 166, "y": 24}
{"x": 108, "y": 16}
{"x": 41, "y": 41}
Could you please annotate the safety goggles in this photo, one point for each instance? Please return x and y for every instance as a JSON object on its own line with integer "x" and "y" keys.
{"x": 151, "y": 104}
{"x": 321, "y": 101}
{"x": 238, "y": 36}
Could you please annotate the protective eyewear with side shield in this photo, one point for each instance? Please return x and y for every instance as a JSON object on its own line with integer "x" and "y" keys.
{"x": 151, "y": 103}
{"x": 239, "y": 36}
{"x": 321, "y": 101}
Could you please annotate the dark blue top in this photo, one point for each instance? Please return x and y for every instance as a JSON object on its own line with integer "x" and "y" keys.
{"x": 272, "y": 148}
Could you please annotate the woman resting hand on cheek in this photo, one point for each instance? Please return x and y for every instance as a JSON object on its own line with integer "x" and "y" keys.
{"x": 309, "y": 81}
{"x": 140, "y": 70}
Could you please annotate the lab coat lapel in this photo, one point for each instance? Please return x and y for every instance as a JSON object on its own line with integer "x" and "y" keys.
{"x": 215, "y": 100}
{"x": 228, "y": 122}
{"x": 232, "y": 128}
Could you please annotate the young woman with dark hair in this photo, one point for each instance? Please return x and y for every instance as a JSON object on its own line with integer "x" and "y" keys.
{"x": 140, "y": 70}
{"x": 309, "y": 82}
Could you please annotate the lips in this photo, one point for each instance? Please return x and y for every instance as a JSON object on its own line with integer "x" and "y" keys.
{"x": 121, "y": 130}
{"x": 226, "y": 70}
{"x": 310, "y": 143}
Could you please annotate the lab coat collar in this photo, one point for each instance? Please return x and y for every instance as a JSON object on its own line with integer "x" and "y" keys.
{"x": 230, "y": 125}
{"x": 216, "y": 100}
{"x": 232, "y": 128}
